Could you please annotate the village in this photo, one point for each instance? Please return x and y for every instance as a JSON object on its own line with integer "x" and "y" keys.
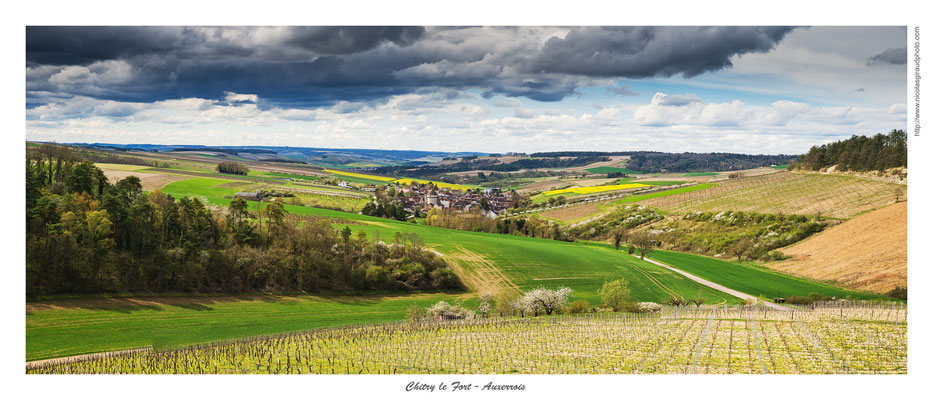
{"x": 421, "y": 197}
{"x": 489, "y": 202}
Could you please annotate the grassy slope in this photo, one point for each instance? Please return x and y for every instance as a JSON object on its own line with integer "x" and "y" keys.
{"x": 637, "y": 198}
{"x": 96, "y": 325}
{"x": 755, "y": 281}
{"x": 486, "y": 258}
{"x": 523, "y": 259}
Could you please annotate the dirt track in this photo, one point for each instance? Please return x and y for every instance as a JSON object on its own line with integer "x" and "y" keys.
{"x": 719, "y": 287}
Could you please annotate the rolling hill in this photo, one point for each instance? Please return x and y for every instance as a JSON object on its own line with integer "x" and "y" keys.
{"x": 868, "y": 252}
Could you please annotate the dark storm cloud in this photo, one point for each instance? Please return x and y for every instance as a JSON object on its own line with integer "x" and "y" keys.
{"x": 643, "y": 52}
{"x": 78, "y": 45}
{"x": 895, "y": 56}
{"x": 313, "y": 66}
{"x": 347, "y": 40}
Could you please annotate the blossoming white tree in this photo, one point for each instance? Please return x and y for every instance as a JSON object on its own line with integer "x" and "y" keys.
{"x": 486, "y": 302}
{"x": 544, "y": 300}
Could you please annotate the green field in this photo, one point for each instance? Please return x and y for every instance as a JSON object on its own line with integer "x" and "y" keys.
{"x": 702, "y": 174}
{"x": 352, "y": 204}
{"x": 206, "y": 187}
{"x": 523, "y": 262}
{"x": 637, "y": 198}
{"x": 484, "y": 261}
{"x": 282, "y": 175}
{"x": 651, "y": 183}
{"x": 517, "y": 261}
{"x": 606, "y": 170}
{"x": 97, "y": 325}
{"x": 782, "y": 166}
{"x": 755, "y": 281}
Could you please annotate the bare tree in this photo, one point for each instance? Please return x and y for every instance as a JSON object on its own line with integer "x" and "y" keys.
{"x": 699, "y": 300}
{"x": 676, "y": 301}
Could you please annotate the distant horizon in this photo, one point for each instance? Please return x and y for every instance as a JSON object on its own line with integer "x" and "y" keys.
{"x": 482, "y": 153}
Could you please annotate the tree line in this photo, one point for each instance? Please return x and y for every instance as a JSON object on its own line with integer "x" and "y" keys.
{"x": 489, "y": 165}
{"x": 702, "y": 162}
{"x": 233, "y": 167}
{"x": 86, "y": 235}
{"x": 531, "y": 226}
{"x": 858, "y": 153}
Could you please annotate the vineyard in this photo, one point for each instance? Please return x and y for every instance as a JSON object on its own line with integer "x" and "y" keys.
{"x": 784, "y": 192}
{"x": 452, "y": 186}
{"x": 827, "y": 338}
{"x": 594, "y": 189}
{"x": 358, "y": 175}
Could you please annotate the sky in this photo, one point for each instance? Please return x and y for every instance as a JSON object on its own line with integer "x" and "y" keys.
{"x": 739, "y": 89}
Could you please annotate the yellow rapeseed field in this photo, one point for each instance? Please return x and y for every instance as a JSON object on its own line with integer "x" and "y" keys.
{"x": 595, "y": 189}
{"x": 409, "y": 181}
{"x": 356, "y": 175}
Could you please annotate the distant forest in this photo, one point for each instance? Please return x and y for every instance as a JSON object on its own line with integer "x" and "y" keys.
{"x": 656, "y": 162}
{"x": 642, "y": 161}
{"x": 858, "y": 153}
{"x": 471, "y": 164}
{"x": 702, "y": 162}
{"x": 223, "y": 150}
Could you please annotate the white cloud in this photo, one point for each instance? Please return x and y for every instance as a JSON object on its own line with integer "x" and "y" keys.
{"x": 661, "y": 112}
{"x": 231, "y": 97}
{"x": 436, "y": 121}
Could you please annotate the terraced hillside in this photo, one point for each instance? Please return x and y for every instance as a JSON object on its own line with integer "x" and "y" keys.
{"x": 786, "y": 192}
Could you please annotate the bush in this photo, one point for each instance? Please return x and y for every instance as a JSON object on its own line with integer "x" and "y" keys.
{"x": 630, "y": 307}
{"x": 579, "y": 307}
{"x": 800, "y": 300}
{"x": 897, "y": 293}
{"x": 504, "y": 302}
{"x": 444, "y": 311}
{"x": 736, "y": 175}
{"x": 415, "y": 313}
{"x": 804, "y": 300}
{"x": 647, "y": 306}
{"x": 777, "y": 255}
{"x": 615, "y": 294}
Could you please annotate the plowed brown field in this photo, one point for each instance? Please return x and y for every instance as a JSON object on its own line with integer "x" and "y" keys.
{"x": 149, "y": 181}
{"x": 868, "y": 252}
